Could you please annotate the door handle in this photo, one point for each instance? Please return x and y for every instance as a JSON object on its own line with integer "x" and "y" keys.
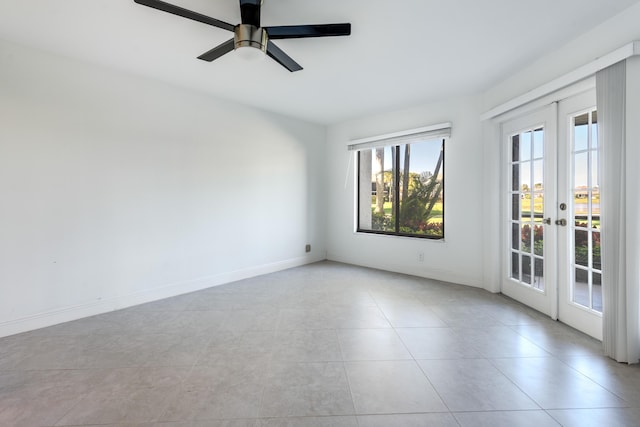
{"x": 546, "y": 221}
{"x": 561, "y": 222}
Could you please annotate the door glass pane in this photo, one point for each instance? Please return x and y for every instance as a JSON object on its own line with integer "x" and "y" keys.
{"x": 525, "y": 177}
{"x": 585, "y": 207}
{"x": 538, "y": 207}
{"x": 596, "y": 257}
{"x": 538, "y": 175}
{"x": 515, "y": 173}
{"x": 526, "y": 269}
{"x": 515, "y": 148}
{"x": 581, "y": 208}
{"x": 515, "y": 236}
{"x": 581, "y": 247}
{"x": 515, "y": 207}
{"x": 597, "y": 292}
{"x": 525, "y": 146}
{"x": 526, "y": 238}
{"x": 538, "y": 239}
{"x": 595, "y": 208}
{"x": 525, "y": 206}
{"x": 581, "y": 132}
{"x": 515, "y": 266}
{"x": 581, "y": 166}
{"x": 538, "y": 282}
{"x": 595, "y": 179}
{"x": 594, "y": 129}
{"x": 538, "y": 144}
{"x": 581, "y": 287}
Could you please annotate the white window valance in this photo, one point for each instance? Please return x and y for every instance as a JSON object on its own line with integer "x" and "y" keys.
{"x": 441, "y": 130}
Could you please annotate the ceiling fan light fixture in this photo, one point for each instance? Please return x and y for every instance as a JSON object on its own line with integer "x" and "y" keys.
{"x": 250, "y": 42}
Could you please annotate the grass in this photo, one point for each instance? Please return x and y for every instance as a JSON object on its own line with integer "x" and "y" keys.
{"x": 436, "y": 212}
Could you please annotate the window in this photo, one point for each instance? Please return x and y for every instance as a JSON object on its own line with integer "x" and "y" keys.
{"x": 401, "y": 183}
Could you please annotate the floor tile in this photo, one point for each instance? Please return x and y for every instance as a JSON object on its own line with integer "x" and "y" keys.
{"x": 332, "y": 317}
{"x": 61, "y": 352}
{"x": 210, "y": 404}
{"x": 228, "y": 390}
{"x": 336, "y": 421}
{"x": 560, "y": 340}
{"x": 506, "y": 419}
{"x": 465, "y": 316}
{"x": 306, "y": 389}
{"x": 436, "y": 343}
{"x": 372, "y": 344}
{"x": 391, "y": 387}
{"x": 224, "y": 346}
{"x": 127, "y": 395}
{"x": 619, "y": 378}
{"x": 250, "y": 320}
{"x": 408, "y": 420}
{"x": 129, "y": 404}
{"x": 412, "y": 314}
{"x": 554, "y": 385}
{"x": 499, "y": 341}
{"x": 136, "y": 350}
{"x": 474, "y": 385}
{"x": 513, "y": 313}
{"x": 307, "y": 346}
{"x": 304, "y": 319}
{"x": 610, "y": 417}
{"x": 31, "y": 398}
{"x": 208, "y": 423}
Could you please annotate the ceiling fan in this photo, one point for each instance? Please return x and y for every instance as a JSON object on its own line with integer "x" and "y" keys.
{"x": 250, "y": 33}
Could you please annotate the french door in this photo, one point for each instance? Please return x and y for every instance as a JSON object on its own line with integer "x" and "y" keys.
{"x": 552, "y": 243}
{"x": 530, "y": 243}
{"x": 580, "y": 270}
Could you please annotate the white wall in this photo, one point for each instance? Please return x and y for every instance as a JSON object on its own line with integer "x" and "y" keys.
{"x": 457, "y": 258}
{"x": 605, "y": 38}
{"x": 115, "y": 190}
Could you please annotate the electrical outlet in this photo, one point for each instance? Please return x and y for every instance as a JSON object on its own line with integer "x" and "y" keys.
{"x": 420, "y": 256}
{"x": 307, "y": 248}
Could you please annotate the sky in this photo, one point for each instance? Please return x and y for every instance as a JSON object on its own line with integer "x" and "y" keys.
{"x": 424, "y": 156}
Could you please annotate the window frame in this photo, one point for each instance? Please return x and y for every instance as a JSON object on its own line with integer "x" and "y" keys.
{"x": 396, "y": 190}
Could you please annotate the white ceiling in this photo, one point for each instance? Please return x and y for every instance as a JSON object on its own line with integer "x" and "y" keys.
{"x": 401, "y": 53}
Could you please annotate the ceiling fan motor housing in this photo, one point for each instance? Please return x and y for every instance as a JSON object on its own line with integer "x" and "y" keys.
{"x": 250, "y": 36}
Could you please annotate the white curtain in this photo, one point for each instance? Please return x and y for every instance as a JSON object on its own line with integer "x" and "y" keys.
{"x": 620, "y": 239}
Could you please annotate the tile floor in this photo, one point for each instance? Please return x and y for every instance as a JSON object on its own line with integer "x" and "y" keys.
{"x": 322, "y": 345}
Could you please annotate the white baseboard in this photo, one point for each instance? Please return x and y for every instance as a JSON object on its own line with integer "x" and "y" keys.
{"x": 67, "y": 314}
{"x": 457, "y": 277}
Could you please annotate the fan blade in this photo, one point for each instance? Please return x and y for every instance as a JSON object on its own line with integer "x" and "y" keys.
{"x": 218, "y": 51}
{"x": 304, "y": 31}
{"x": 250, "y": 12}
{"x": 282, "y": 58}
{"x": 177, "y": 10}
